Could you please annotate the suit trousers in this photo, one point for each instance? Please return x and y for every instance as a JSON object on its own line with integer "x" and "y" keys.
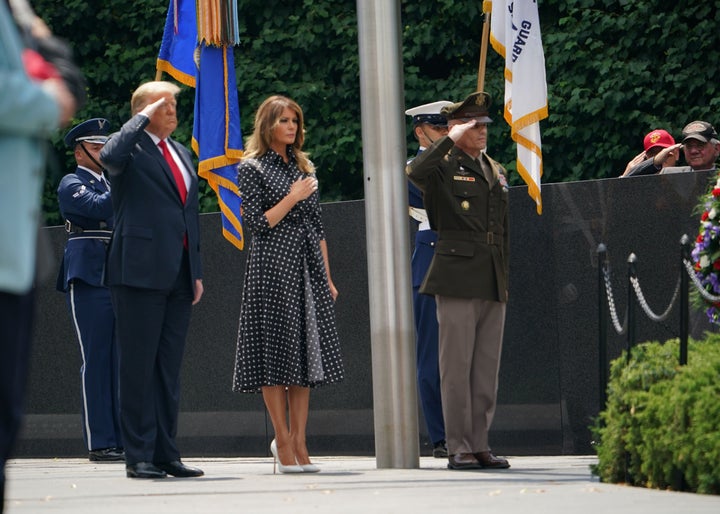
{"x": 16, "y": 316}
{"x": 151, "y": 327}
{"x": 470, "y": 342}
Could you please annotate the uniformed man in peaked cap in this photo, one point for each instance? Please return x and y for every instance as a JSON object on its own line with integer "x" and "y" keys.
{"x": 465, "y": 195}
{"x": 85, "y": 203}
{"x": 428, "y": 126}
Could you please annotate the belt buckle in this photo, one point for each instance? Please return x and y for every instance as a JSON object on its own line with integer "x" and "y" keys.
{"x": 490, "y": 238}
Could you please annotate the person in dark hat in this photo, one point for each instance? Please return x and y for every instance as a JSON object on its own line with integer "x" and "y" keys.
{"x": 428, "y": 126}
{"x": 85, "y": 203}
{"x": 465, "y": 195}
{"x": 701, "y": 149}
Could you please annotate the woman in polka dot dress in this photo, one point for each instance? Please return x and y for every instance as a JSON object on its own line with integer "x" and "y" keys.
{"x": 287, "y": 341}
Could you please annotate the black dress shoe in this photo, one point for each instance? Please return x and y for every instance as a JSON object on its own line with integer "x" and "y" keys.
{"x": 178, "y": 469}
{"x": 463, "y": 461}
{"x": 107, "y": 455}
{"x": 144, "y": 470}
{"x": 488, "y": 460}
{"x": 440, "y": 450}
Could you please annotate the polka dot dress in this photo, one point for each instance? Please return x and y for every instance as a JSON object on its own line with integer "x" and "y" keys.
{"x": 287, "y": 333}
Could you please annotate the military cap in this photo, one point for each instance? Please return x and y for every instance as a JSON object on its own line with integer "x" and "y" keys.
{"x": 429, "y": 113}
{"x": 700, "y": 130}
{"x": 95, "y": 130}
{"x": 475, "y": 105}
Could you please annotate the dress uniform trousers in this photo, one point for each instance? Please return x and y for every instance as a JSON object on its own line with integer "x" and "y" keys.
{"x": 471, "y": 334}
{"x": 426, "y": 327}
{"x": 93, "y": 318}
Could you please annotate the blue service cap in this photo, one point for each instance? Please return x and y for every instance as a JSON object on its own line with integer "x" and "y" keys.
{"x": 429, "y": 113}
{"x": 95, "y": 130}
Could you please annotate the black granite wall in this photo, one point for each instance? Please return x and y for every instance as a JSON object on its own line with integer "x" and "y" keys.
{"x": 549, "y": 374}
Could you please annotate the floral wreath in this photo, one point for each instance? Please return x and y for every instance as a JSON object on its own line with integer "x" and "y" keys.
{"x": 706, "y": 253}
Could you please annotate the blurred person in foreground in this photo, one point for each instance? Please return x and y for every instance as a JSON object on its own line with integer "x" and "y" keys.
{"x": 154, "y": 274}
{"x": 31, "y": 108}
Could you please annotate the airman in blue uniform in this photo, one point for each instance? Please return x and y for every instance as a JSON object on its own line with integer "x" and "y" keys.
{"x": 85, "y": 203}
{"x": 428, "y": 126}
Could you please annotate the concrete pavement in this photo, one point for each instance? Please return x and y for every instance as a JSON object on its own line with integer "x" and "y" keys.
{"x": 556, "y": 484}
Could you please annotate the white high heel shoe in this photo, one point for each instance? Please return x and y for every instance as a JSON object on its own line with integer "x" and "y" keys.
{"x": 309, "y": 468}
{"x": 280, "y": 466}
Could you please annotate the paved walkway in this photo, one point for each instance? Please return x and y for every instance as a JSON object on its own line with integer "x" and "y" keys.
{"x": 346, "y": 485}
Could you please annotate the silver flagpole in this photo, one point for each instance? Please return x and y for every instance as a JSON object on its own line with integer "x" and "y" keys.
{"x": 388, "y": 241}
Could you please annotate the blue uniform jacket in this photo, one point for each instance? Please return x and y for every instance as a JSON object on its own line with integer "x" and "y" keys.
{"x": 86, "y": 203}
{"x": 424, "y": 241}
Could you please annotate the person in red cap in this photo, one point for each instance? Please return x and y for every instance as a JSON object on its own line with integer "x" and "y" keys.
{"x": 653, "y": 143}
{"x": 701, "y": 149}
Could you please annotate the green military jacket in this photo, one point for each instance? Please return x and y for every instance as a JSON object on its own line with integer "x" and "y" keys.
{"x": 470, "y": 216}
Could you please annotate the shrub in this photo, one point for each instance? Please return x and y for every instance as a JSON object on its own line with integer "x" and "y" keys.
{"x": 660, "y": 425}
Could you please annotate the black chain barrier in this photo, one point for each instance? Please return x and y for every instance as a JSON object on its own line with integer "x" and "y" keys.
{"x": 627, "y": 327}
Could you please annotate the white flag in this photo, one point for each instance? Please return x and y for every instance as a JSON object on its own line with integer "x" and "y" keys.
{"x": 515, "y": 34}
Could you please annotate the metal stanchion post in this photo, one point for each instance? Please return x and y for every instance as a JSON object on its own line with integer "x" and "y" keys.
{"x": 602, "y": 329}
{"x": 632, "y": 260}
{"x": 684, "y": 298}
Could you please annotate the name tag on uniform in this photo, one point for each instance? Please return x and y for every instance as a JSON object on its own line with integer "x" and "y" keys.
{"x": 463, "y": 178}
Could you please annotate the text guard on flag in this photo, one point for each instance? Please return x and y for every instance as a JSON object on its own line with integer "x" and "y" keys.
{"x": 515, "y": 35}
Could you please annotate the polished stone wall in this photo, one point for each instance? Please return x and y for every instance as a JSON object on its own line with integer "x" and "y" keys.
{"x": 549, "y": 374}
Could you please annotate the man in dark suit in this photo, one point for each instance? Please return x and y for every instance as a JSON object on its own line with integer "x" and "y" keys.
{"x": 466, "y": 197}
{"x": 85, "y": 203}
{"x": 154, "y": 274}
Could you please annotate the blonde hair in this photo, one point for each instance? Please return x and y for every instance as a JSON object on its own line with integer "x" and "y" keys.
{"x": 144, "y": 91}
{"x": 266, "y": 119}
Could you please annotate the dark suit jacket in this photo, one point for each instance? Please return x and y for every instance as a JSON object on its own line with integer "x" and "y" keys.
{"x": 146, "y": 250}
{"x": 470, "y": 216}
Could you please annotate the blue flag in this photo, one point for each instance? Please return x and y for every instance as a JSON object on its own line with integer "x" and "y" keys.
{"x": 217, "y": 139}
{"x": 179, "y": 41}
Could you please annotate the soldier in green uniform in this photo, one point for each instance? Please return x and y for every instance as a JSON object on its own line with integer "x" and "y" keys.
{"x": 466, "y": 197}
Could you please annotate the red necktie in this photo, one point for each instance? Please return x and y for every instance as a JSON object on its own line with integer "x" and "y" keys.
{"x": 179, "y": 180}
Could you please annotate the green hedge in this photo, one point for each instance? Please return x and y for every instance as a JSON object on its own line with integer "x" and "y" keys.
{"x": 616, "y": 69}
{"x": 661, "y": 424}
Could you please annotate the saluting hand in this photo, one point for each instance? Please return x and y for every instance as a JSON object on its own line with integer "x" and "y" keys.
{"x": 457, "y": 131}
{"x": 663, "y": 154}
{"x": 150, "y": 109}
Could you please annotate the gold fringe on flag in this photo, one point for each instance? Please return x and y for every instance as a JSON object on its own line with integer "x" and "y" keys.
{"x": 218, "y": 22}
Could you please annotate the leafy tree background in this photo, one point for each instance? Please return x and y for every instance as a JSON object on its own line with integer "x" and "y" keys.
{"x": 616, "y": 69}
